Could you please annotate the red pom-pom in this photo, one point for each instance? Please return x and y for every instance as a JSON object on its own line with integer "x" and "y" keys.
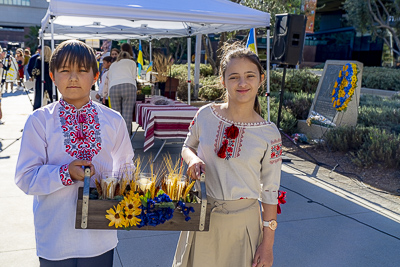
{"x": 281, "y": 200}
{"x": 222, "y": 151}
{"x": 232, "y": 132}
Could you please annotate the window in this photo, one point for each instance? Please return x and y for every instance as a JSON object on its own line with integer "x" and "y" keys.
{"x": 16, "y": 2}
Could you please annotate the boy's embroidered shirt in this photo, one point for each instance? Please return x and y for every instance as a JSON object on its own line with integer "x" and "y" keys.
{"x": 243, "y": 160}
{"x": 81, "y": 130}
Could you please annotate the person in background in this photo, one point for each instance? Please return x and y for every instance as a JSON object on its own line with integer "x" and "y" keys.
{"x": 102, "y": 94}
{"x": 19, "y": 56}
{"x": 57, "y": 142}
{"x": 127, "y": 48}
{"x": 114, "y": 54}
{"x": 27, "y": 56}
{"x": 37, "y": 74}
{"x": 122, "y": 83}
{"x": 240, "y": 153}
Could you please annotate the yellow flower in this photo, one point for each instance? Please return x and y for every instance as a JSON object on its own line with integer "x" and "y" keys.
{"x": 333, "y": 92}
{"x": 340, "y": 74}
{"x": 116, "y": 216}
{"x": 131, "y": 219}
{"x": 131, "y": 202}
{"x": 336, "y": 85}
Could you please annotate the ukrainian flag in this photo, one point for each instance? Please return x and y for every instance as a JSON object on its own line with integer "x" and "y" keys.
{"x": 140, "y": 59}
{"x": 150, "y": 67}
{"x": 251, "y": 41}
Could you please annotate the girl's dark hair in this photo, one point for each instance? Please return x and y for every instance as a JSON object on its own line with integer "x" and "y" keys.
{"x": 238, "y": 50}
{"x": 73, "y": 52}
{"x": 128, "y": 48}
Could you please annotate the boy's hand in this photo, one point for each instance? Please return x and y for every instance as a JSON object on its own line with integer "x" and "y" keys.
{"x": 77, "y": 172}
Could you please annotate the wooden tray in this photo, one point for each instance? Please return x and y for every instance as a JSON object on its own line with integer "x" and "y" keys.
{"x": 97, "y": 217}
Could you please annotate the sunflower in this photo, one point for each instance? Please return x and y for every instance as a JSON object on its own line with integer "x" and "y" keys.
{"x": 131, "y": 201}
{"x": 116, "y": 216}
{"x": 130, "y": 217}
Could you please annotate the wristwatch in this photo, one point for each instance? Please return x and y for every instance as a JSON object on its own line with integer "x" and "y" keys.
{"x": 272, "y": 224}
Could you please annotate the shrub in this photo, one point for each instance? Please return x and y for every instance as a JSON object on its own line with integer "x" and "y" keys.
{"x": 384, "y": 113}
{"x": 181, "y": 70}
{"x": 295, "y": 81}
{"x": 288, "y": 121}
{"x": 211, "y": 88}
{"x": 367, "y": 144}
{"x": 381, "y": 78}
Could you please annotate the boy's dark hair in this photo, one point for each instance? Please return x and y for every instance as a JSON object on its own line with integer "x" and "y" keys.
{"x": 108, "y": 59}
{"x": 71, "y": 52}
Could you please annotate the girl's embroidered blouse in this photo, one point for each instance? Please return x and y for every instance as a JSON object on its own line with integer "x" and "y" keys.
{"x": 252, "y": 164}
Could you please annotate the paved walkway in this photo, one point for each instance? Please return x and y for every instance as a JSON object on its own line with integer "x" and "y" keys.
{"x": 329, "y": 219}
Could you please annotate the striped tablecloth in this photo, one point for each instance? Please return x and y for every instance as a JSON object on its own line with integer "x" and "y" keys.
{"x": 164, "y": 122}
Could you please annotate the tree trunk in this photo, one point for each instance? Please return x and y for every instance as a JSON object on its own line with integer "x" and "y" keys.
{"x": 210, "y": 54}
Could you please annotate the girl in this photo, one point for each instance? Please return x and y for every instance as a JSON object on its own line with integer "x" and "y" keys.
{"x": 240, "y": 153}
{"x": 19, "y": 56}
{"x": 58, "y": 140}
{"x": 122, "y": 87}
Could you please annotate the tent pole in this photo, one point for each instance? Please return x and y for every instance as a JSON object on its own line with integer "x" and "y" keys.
{"x": 189, "y": 58}
{"x": 197, "y": 66}
{"x": 42, "y": 71}
{"x": 267, "y": 69}
{"x": 52, "y": 49}
{"x": 151, "y": 58}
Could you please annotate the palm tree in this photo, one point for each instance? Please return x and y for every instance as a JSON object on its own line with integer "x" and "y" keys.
{"x": 32, "y": 38}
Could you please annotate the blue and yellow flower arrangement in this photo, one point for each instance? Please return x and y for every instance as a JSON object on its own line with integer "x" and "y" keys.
{"x": 145, "y": 204}
{"x": 344, "y": 87}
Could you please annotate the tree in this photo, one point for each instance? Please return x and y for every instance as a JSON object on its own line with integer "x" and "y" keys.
{"x": 32, "y": 38}
{"x": 379, "y": 17}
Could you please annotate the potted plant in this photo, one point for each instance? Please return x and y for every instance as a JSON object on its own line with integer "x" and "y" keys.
{"x": 162, "y": 66}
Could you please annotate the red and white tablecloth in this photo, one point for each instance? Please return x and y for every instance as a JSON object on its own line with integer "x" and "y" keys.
{"x": 164, "y": 122}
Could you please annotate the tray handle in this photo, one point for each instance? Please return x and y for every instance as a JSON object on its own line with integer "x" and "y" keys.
{"x": 203, "y": 210}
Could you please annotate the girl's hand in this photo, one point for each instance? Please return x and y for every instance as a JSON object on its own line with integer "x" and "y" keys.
{"x": 196, "y": 168}
{"x": 264, "y": 256}
{"x": 77, "y": 172}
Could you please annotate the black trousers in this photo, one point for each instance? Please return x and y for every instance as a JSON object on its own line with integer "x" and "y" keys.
{"x": 104, "y": 260}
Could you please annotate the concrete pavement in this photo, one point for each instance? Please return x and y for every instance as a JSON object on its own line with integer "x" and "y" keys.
{"x": 329, "y": 219}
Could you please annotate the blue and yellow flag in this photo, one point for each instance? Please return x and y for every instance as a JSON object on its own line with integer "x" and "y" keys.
{"x": 140, "y": 59}
{"x": 150, "y": 67}
{"x": 251, "y": 41}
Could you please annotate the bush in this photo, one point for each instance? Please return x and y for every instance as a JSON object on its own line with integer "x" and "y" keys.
{"x": 367, "y": 144}
{"x": 181, "y": 70}
{"x": 384, "y": 113}
{"x": 288, "y": 121}
{"x": 381, "y": 78}
{"x": 211, "y": 88}
{"x": 295, "y": 81}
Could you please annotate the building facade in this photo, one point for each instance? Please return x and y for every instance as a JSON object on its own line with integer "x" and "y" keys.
{"x": 16, "y": 18}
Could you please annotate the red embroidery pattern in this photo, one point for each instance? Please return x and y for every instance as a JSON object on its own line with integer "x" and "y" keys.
{"x": 64, "y": 175}
{"x": 276, "y": 151}
{"x": 225, "y": 147}
{"x": 81, "y": 130}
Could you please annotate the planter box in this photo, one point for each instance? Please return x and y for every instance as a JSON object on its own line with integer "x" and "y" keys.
{"x": 97, "y": 217}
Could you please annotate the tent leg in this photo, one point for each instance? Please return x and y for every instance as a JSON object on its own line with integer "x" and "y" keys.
{"x": 189, "y": 58}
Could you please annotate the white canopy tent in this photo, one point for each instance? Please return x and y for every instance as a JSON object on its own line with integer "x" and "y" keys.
{"x": 147, "y": 19}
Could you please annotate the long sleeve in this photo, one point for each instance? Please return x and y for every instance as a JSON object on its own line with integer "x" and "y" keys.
{"x": 34, "y": 175}
{"x": 271, "y": 167}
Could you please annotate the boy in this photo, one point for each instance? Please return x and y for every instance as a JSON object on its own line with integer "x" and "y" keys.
{"x": 102, "y": 95}
{"x": 58, "y": 140}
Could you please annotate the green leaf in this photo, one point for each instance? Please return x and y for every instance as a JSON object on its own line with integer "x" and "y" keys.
{"x": 160, "y": 192}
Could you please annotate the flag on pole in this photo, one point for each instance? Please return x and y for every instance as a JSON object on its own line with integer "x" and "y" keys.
{"x": 251, "y": 41}
{"x": 150, "y": 67}
{"x": 140, "y": 59}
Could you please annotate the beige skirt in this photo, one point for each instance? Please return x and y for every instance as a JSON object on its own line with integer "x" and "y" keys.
{"x": 234, "y": 235}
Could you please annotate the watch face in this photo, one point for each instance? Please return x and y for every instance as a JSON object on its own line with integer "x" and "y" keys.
{"x": 273, "y": 224}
